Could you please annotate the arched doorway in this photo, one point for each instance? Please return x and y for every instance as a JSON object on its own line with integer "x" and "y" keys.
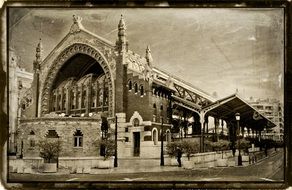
{"x": 79, "y": 81}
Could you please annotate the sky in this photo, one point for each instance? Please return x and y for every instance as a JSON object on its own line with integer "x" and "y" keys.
{"x": 216, "y": 50}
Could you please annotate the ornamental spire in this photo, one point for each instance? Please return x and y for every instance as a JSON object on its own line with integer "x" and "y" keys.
{"x": 148, "y": 56}
{"x": 39, "y": 49}
{"x": 122, "y": 27}
{"x": 122, "y": 43}
{"x": 38, "y": 55}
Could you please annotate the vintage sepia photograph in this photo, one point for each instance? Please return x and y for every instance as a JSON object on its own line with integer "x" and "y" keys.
{"x": 145, "y": 94}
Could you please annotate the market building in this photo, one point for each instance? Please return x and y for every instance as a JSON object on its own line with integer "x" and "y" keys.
{"x": 87, "y": 78}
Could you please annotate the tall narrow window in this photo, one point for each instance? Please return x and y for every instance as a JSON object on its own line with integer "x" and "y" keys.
{"x": 136, "y": 122}
{"x": 106, "y": 96}
{"x": 93, "y": 98}
{"x": 100, "y": 97}
{"x": 77, "y": 99}
{"x": 141, "y": 90}
{"x": 64, "y": 101}
{"x": 73, "y": 101}
{"x": 78, "y": 138}
{"x": 83, "y": 99}
{"x": 130, "y": 85}
{"x": 59, "y": 102}
{"x": 136, "y": 87}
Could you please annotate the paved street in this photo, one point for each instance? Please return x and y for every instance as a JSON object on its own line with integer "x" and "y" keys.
{"x": 268, "y": 169}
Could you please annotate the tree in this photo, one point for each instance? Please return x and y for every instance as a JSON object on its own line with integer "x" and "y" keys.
{"x": 49, "y": 149}
{"x": 107, "y": 143}
{"x": 109, "y": 147}
{"x": 220, "y": 145}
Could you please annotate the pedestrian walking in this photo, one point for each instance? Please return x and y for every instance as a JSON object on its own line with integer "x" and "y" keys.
{"x": 179, "y": 154}
{"x": 266, "y": 150}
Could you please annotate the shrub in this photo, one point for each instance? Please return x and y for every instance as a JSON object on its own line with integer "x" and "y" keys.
{"x": 109, "y": 146}
{"x": 49, "y": 149}
{"x": 172, "y": 147}
{"x": 187, "y": 147}
{"x": 220, "y": 145}
{"x": 244, "y": 145}
{"x": 190, "y": 147}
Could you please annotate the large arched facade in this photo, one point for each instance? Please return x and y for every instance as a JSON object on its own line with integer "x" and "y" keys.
{"x": 94, "y": 64}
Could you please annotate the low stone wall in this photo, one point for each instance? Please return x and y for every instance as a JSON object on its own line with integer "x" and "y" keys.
{"x": 67, "y": 164}
{"x": 25, "y": 165}
{"x": 200, "y": 160}
{"x": 83, "y": 164}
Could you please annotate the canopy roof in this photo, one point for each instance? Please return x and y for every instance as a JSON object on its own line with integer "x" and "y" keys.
{"x": 249, "y": 116}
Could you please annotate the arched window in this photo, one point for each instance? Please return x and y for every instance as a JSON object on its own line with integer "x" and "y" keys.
{"x": 136, "y": 122}
{"x": 52, "y": 134}
{"x": 141, "y": 90}
{"x": 83, "y": 99}
{"x": 106, "y": 97}
{"x": 78, "y": 138}
{"x": 161, "y": 107}
{"x": 136, "y": 87}
{"x": 130, "y": 85}
{"x": 154, "y": 105}
{"x": 73, "y": 95}
{"x": 93, "y": 98}
{"x": 154, "y": 136}
{"x": 77, "y": 98}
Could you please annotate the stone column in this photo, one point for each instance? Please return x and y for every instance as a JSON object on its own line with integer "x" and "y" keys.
{"x": 57, "y": 99}
{"x": 68, "y": 100}
{"x": 216, "y": 123}
{"x": 81, "y": 97}
{"x": 202, "y": 121}
{"x": 62, "y": 94}
{"x": 88, "y": 96}
{"x": 76, "y": 96}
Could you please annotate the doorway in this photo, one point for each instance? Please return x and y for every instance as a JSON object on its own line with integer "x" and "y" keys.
{"x": 136, "y": 136}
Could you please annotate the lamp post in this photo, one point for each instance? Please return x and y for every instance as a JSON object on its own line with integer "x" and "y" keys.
{"x": 237, "y": 117}
{"x": 116, "y": 143}
{"x": 161, "y": 138}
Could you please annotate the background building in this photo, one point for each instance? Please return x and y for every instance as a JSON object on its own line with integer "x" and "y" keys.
{"x": 273, "y": 110}
{"x": 19, "y": 82}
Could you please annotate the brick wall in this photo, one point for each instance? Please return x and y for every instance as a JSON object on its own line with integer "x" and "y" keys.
{"x": 136, "y": 102}
{"x": 65, "y": 128}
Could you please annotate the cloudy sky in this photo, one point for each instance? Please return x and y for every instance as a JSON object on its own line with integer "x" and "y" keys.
{"x": 216, "y": 50}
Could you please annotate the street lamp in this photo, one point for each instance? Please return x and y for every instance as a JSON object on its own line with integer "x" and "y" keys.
{"x": 237, "y": 117}
{"x": 161, "y": 139}
{"x": 116, "y": 143}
